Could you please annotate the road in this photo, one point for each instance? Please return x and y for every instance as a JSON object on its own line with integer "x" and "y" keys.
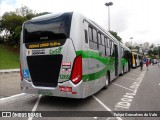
{"x": 134, "y": 91}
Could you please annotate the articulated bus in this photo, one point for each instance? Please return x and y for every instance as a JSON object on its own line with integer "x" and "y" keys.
{"x": 125, "y": 59}
{"x": 68, "y": 55}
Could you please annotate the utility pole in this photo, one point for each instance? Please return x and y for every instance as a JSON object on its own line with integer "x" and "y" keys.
{"x": 108, "y": 5}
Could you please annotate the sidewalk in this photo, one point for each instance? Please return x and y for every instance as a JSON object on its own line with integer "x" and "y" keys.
{"x": 9, "y": 70}
{"x": 9, "y": 82}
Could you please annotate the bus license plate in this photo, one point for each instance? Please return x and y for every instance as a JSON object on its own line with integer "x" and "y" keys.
{"x": 45, "y": 92}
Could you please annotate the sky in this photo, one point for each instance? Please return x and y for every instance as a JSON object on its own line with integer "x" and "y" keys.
{"x": 139, "y": 19}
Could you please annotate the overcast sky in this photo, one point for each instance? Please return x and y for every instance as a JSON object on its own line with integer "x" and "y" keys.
{"x": 139, "y": 19}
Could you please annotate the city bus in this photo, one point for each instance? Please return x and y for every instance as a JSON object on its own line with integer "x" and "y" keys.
{"x": 135, "y": 60}
{"x": 125, "y": 59}
{"x": 69, "y": 55}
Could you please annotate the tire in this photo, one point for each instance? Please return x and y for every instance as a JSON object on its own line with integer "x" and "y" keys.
{"x": 107, "y": 82}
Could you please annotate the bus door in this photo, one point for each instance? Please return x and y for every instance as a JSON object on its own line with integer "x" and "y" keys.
{"x": 116, "y": 59}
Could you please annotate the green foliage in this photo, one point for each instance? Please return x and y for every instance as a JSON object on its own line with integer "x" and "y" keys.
{"x": 153, "y": 53}
{"x": 8, "y": 58}
{"x": 116, "y": 36}
{"x": 11, "y": 23}
{"x": 1, "y": 39}
{"x": 16, "y": 35}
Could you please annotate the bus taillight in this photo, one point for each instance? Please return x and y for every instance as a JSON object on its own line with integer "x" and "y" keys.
{"x": 76, "y": 74}
{"x": 21, "y": 72}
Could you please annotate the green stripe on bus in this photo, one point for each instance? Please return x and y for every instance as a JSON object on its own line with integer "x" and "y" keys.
{"x": 107, "y": 61}
{"x": 95, "y": 55}
{"x": 94, "y": 76}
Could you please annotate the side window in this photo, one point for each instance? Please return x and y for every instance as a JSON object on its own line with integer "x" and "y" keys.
{"x": 86, "y": 36}
{"x": 92, "y": 39}
{"x": 108, "y": 42}
{"x": 99, "y": 39}
{"x": 102, "y": 47}
{"x": 94, "y": 35}
{"x": 102, "y": 38}
{"x": 102, "y": 50}
{"x": 122, "y": 52}
{"x": 108, "y": 51}
{"x": 90, "y": 34}
{"x": 111, "y": 43}
{"x": 112, "y": 48}
{"x": 135, "y": 56}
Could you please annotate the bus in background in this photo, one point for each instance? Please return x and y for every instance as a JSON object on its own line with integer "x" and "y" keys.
{"x": 135, "y": 60}
{"x": 68, "y": 55}
{"x": 125, "y": 59}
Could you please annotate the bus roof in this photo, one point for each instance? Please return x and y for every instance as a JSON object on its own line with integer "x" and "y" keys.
{"x": 48, "y": 16}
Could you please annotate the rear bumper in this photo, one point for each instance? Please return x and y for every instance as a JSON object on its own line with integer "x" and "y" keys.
{"x": 65, "y": 89}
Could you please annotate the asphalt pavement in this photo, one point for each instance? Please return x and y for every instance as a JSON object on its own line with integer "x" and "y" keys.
{"x": 134, "y": 91}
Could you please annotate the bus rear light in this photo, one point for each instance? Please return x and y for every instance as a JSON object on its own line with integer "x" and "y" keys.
{"x": 76, "y": 74}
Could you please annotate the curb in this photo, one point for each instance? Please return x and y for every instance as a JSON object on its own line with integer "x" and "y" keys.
{"x": 4, "y": 71}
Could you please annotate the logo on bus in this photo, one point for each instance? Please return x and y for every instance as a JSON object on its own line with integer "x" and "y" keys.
{"x": 62, "y": 76}
{"x": 56, "y": 51}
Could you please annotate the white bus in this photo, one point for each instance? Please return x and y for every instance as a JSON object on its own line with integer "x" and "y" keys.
{"x": 68, "y": 55}
{"x": 135, "y": 60}
{"x": 125, "y": 59}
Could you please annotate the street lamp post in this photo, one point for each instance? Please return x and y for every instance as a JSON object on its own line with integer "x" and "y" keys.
{"x": 131, "y": 42}
{"x": 108, "y": 5}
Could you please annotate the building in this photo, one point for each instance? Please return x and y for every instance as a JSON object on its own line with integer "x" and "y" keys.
{"x": 146, "y": 46}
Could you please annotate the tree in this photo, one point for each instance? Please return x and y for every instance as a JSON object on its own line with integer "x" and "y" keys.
{"x": 24, "y": 11}
{"x": 116, "y": 36}
{"x": 11, "y": 22}
{"x": 16, "y": 35}
{"x": 155, "y": 52}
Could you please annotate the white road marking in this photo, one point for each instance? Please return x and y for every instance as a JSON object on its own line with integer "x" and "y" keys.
{"x": 102, "y": 103}
{"x": 159, "y": 83}
{"x": 127, "y": 98}
{"x": 35, "y": 106}
{"x": 108, "y": 109}
{"x": 123, "y": 87}
{"x": 128, "y": 78}
{"x": 15, "y": 98}
{"x": 95, "y": 117}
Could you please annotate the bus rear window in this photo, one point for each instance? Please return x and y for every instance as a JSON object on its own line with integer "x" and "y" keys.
{"x": 47, "y": 29}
